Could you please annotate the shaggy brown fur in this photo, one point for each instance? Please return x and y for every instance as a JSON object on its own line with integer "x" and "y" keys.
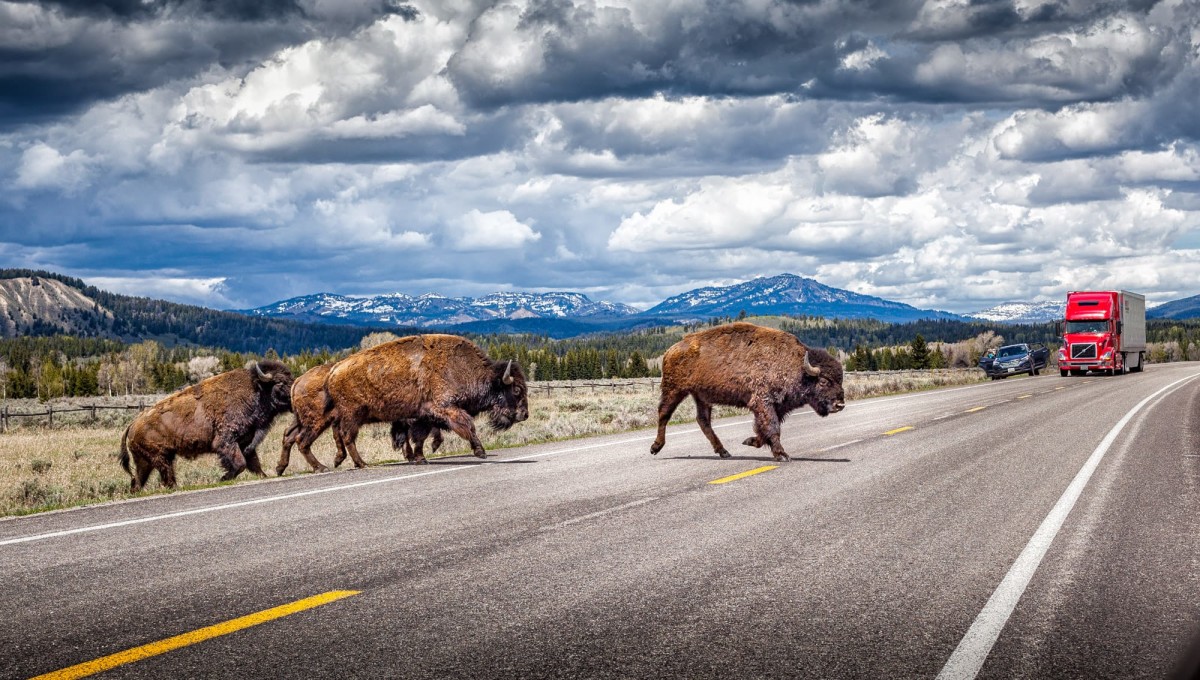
{"x": 439, "y": 380}
{"x": 227, "y": 414}
{"x": 311, "y": 419}
{"x": 765, "y": 370}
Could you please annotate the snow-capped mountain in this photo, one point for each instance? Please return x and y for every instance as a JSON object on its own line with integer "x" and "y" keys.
{"x": 1023, "y": 312}
{"x": 398, "y": 309}
{"x": 789, "y": 294}
{"x": 783, "y": 294}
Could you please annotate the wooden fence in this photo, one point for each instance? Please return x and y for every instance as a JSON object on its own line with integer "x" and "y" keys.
{"x": 7, "y": 415}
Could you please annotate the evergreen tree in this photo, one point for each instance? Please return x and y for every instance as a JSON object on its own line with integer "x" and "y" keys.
{"x": 918, "y": 352}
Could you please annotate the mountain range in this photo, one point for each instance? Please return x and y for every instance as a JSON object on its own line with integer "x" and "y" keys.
{"x": 510, "y": 312}
{"x": 35, "y": 303}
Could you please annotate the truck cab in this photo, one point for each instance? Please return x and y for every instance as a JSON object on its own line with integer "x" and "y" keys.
{"x": 1103, "y": 331}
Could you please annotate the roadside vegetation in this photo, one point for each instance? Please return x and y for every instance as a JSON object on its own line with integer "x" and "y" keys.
{"x": 76, "y": 461}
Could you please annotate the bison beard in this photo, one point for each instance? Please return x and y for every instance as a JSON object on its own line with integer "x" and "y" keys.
{"x": 227, "y": 414}
{"x": 767, "y": 371}
{"x": 434, "y": 380}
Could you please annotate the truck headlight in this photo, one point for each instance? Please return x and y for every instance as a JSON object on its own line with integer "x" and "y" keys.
{"x": 1106, "y": 356}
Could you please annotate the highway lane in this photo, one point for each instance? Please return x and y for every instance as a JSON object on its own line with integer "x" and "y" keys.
{"x": 871, "y": 553}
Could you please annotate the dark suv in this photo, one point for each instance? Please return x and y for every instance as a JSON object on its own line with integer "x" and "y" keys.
{"x": 1013, "y": 359}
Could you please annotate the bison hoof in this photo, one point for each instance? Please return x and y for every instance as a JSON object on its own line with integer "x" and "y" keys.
{"x": 782, "y": 457}
{"x": 723, "y": 453}
{"x": 480, "y": 453}
{"x": 320, "y": 468}
{"x": 752, "y": 441}
{"x": 656, "y": 447}
{"x": 420, "y": 461}
{"x": 279, "y": 471}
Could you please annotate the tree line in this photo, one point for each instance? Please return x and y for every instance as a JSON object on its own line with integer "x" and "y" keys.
{"x": 68, "y": 366}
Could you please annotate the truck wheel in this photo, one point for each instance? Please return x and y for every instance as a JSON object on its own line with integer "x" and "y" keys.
{"x": 1063, "y": 372}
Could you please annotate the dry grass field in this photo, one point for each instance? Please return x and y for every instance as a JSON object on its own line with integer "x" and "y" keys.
{"x": 75, "y": 462}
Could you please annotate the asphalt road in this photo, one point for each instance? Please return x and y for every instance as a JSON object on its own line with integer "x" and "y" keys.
{"x": 875, "y": 553}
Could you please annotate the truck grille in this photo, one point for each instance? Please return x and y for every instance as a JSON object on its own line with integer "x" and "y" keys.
{"x": 1083, "y": 350}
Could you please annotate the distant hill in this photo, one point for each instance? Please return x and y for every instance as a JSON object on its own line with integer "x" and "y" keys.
{"x": 789, "y": 294}
{"x": 45, "y": 303}
{"x": 37, "y": 305}
{"x": 1023, "y": 312}
{"x": 1186, "y": 308}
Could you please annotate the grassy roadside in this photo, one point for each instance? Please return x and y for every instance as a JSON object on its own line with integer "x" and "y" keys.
{"x": 75, "y": 463}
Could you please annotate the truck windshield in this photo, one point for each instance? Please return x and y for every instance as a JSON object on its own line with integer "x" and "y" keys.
{"x": 1011, "y": 351}
{"x": 1099, "y": 326}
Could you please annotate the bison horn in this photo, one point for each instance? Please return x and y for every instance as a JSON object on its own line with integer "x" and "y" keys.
{"x": 809, "y": 368}
{"x": 508, "y": 379}
{"x": 258, "y": 372}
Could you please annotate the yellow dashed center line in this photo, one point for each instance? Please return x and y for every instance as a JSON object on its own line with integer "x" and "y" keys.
{"x": 747, "y": 473}
{"x": 1025, "y": 396}
{"x": 977, "y": 408}
{"x": 898, "y": 430}
{"x": 172, "y": 643}
{"x": 1060, "y": 388}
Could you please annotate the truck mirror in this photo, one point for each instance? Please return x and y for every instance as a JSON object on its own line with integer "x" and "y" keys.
{"x": 1120, "y": 325}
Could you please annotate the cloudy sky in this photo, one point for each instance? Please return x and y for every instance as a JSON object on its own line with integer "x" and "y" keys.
{"x": 944, "y": 153}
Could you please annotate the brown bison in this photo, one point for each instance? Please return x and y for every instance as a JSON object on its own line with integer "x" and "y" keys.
{"x": 767, "y": 371}
{"x": 311, "y": 419}
{"x": 440, "y": 381}
{"x": 227, "y": 414}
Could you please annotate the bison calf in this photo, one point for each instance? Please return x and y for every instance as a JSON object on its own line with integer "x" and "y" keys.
{"x": 227, "y": 414}
{"x": 765, "y": 370}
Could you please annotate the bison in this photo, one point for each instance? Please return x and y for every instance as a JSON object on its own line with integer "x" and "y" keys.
{"x": 765, "y": 370}
{"x": 410, "y": 435}
{"x": 439, "y": 380}
{"x": 227, "y": 414}
{"x": 312, "y": 418}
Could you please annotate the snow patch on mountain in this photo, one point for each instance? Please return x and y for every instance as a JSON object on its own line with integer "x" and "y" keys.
{"x": 1023, "y": 312}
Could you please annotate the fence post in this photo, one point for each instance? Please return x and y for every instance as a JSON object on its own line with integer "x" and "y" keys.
{"x": 4, "y": 420}
{"x": 50, "y": 412}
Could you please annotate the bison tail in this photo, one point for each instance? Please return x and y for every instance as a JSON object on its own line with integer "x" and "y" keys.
{"x": 125, "y": 451}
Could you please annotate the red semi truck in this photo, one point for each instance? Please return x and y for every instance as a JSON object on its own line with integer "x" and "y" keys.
{"x": 1103, "y": 331}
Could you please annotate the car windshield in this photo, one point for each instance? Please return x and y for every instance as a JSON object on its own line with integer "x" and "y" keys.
{"x": 1011, "y": 351}
{"x": 1098, "y": 326}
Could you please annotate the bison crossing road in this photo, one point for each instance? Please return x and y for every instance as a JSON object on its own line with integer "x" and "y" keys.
{"x": 423, "y": 384}
{"x": 767, "y": 371}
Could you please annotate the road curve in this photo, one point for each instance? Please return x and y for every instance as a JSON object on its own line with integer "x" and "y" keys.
{"x": 873, "y": 553}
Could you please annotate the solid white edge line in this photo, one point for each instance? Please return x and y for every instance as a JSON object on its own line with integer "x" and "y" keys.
{"x": 972, "y": 651}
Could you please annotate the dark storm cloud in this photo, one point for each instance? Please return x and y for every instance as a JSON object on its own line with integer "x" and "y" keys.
{"x": 63, "y": 56}
{"x": 244, "y": 10}
{"x": 734, "y": 50}
{"x": 799, "y": 48}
